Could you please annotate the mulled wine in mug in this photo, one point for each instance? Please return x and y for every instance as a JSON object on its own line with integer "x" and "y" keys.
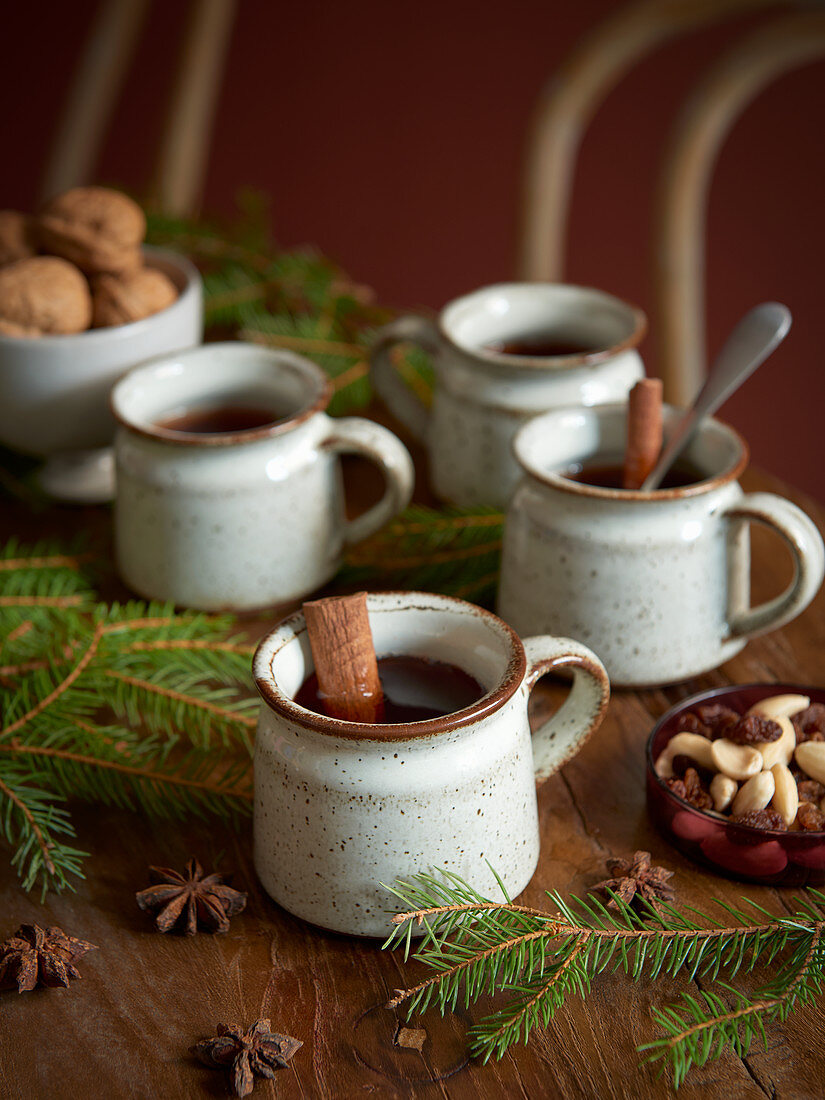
{"x": 343, "y": 807}
{"x": 658, "y": 583}
{"x": 229, "y": 493}
{"x": 502, "y": 355}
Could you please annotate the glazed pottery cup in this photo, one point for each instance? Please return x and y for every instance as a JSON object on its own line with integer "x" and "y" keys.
{"x": 342, "y": 807}
{"x": 54, "y": 390}
{"x": 658, "y": 583}
{"x": 483, "y": 396}
{"x": 246, "y": 519}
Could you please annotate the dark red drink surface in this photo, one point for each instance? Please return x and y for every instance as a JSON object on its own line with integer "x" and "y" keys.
{"x": 415, "y": 689}
{"x": 541, "y": 346}
{"x": 609, "y": 475}
{"x": 217, "y": 419}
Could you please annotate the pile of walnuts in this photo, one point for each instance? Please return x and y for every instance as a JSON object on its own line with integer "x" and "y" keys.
{"x": 77, "y": 264}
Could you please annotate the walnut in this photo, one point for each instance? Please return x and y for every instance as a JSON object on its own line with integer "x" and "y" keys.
{"x": 43, "y": 295}
{"x": 15, "y": 237}
{"x": 117, "y": 300}
{"x": 98, "y": 229}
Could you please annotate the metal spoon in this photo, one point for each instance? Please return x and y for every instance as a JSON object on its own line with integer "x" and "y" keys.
{"x": 758, "y": 334}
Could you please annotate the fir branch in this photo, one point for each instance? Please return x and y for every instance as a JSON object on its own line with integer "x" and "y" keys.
{"x": 696, "y": 1027}
{"x": 56, "y": 561}
{"x": 29, "y": 821}
{"x": 63, "y": 686}
{"x": 191, "y": 644}
{"x": 182, "y": 697}
{"x": 41, "y": 601}
{"x": 179, "y": 686}
{"x": 478, "y": 946}
{"x": 456, "y": 551}
{"x": 210, "y": 785}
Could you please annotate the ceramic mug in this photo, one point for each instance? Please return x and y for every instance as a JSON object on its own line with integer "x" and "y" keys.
{"x": 342, "y": 807}
{"x": 246, "y": 519}
{"x": 482, "y": 396}
{"x": 54, "y": 391}
{"x": 658, "y": 583}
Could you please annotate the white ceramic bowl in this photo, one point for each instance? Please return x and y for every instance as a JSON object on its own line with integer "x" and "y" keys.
{"x": 54, "y": 390}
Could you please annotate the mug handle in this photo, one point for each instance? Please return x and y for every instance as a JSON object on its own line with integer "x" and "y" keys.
{"x": 581, "y": 714}
{"x": 405, "y": 405}
{"x": 354, "y": 435}
{"x": 803, "y": 540}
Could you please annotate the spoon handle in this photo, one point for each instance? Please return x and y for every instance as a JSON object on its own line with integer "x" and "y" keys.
{"x": 758, "y": 334}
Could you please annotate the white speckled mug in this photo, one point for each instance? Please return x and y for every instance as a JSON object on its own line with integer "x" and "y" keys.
{"x": 483, "y": 396}
{"x": 341, "y": 807}
{"x": 247, "y": 519}
{"x": 658, "y": 583}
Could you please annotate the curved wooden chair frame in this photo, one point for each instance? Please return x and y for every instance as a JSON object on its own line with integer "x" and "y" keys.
{"x": 571, "y": 99}
{"x": 708, "y": 117}
{"x": 97, "y": 83}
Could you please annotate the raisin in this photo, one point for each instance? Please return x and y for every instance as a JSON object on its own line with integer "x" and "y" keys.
{"x": 810, "y": 790}
{"x": 718, "y": 718}
{"x": 691, "y": 723}
{"x": 695, "y": 792}
{"x": 755, "y": 730}
{"x": 811, "y": 718}
{"x": 809, "y": 817}
{"x": 810, "y": 734}
{"x": 761, "y": 819}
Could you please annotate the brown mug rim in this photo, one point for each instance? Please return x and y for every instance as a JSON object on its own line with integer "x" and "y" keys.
{"x": 488, "y": 704}
{"x": 287, "y": 358}
{"x": 601, "y": 492}
{"x": 548, "y": 362}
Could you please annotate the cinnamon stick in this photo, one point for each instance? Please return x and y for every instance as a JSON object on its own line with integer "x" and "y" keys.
{"x": 644, "y": 432}
{"x": 345, "y": 663}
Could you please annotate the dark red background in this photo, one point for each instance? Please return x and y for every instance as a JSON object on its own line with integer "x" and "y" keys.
{"x": 392, "y": 136}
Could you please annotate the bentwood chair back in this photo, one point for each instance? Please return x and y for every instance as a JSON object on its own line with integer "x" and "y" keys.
{"x": 103, "y": 67}
{"x": 571, "y": 99}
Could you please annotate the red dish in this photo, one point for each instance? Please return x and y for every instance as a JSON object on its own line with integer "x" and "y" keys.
{"x": 765, "y": 856}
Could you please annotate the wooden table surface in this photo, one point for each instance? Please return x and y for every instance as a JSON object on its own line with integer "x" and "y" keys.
{"x": 124, "y": 1030}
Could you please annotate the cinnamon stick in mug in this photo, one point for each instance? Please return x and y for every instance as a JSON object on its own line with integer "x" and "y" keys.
{"x": 644, "y": 432}
{"x": 345, "y": 663}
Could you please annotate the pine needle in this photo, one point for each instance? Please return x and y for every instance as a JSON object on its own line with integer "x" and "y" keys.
{"x": 480, "y": 947}
{"x": 126, "y": 705}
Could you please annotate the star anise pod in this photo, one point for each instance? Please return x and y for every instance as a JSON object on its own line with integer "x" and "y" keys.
{"x": 258, "y": 1051}
{"x": 191, "y": 901}
{"x": 40, "y": 956}
{"x": 632, "y": 879}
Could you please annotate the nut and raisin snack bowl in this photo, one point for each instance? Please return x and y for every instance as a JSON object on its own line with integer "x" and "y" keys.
{"x": 735, "y": 849}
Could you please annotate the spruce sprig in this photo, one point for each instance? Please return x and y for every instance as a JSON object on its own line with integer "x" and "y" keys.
{"x": 477, "y": 947}
{"x": 456, "y": 551}
{"x": 127, "y": 705}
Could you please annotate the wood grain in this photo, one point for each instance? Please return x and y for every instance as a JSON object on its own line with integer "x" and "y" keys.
{"x": 124, "y": 1030}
